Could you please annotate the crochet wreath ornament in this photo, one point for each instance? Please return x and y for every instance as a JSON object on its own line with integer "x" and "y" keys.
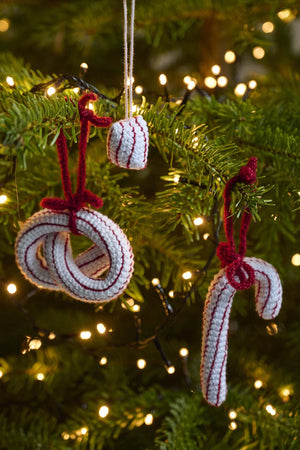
{"x": 43, "y": 247}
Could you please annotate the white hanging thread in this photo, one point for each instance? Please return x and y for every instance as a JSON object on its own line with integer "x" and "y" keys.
{"x": 128, "y": 77}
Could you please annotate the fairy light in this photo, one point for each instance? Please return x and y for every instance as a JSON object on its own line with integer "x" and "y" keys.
{"x": 284, "y": 14}
{"x": 130, "y": 80}
{"x": 11, "y": 288}
{"x": 83, "y": 430}
{"x": 1, "y": 374}
{"x": 232, "y": 414}
{"x": 267, "y": 27}
{"x": 76, "y": 90}
{"x": 285, "y": 392}
{"x": 258, "y": 52}
{"x": 91, "y": 106}
{"x": 216, "y": 69}
{"x": 10, "y": 81}
{"x": 183, "y": 352}
{"x": 103, "y": 361}
{"x": 148, "y": 419}
{"x": 198, "y": 221}
{"x": 187, "y": 275}
{"x": 296, "y": 260}
{"x": 85, "y": 335}
{"x": 191, "y": 85}
{"x": 40, "y": 376}
{"x": 84, "y": 66}
{"x": 139, "y": 89}
{"x": 35, "y": 344}
{"x": 210, "y": 82}
{"x": 171, "y": 370}
{"x": 258, "y": 384}
{"x": 4, "y": 25}
{"x": 155, "y": 281}
{"x": 51, "y": 90}
{"x": 65, "y": 435}
{"x": 171, "y": 294}
{"x": 240, "y": 89}
{"x": 163, "y": 79}
{"x": 51, "y": 336}
{"x": 232, "y": 426}
{"x": 187, "y": 79}
{"x": 176, "y": 178}
{"x": 3, "y": 199}
{"x": 101, "y": 328}
{"x": 271, "y": 410}
{"x": 103, "y": 411}
{"x": 195, "y": 141}
{"x": 222, "y": 81}
{"x": 230, "y": 57}
{"x": 272, "y": 329}
{"x": 206, "y": 236}
{"x": 252, "y": 84}
{"x": 141, "y": 363}
{"x": 136, "y": 308}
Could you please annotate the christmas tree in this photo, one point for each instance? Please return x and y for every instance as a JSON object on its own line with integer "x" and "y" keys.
{"x": 214, "y": 93}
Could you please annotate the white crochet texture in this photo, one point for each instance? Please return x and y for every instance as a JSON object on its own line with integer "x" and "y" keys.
{"x": 268, "y": 298}
{"x": 56, "y": 269}
{"x": 128, "y": 142}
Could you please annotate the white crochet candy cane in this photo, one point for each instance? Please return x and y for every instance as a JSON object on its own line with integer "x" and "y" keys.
{"x": 238, "y": 273}
{"x": 128, "y": 139}
{"x": 58, "y": 270}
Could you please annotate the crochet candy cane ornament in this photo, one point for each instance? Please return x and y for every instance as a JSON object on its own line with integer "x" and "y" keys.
{"x": 48, "y": 230}
{"x": 128, "y": 139}
{"x": 237, "y": 273}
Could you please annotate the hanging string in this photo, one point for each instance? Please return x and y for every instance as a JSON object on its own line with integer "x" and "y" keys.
{"x": 128, "y": 76}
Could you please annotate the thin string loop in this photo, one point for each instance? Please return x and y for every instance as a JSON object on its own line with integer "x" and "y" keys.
{"x": 128, "y": 75}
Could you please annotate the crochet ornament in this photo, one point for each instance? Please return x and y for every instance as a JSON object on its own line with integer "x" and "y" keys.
{"x": 43, "y": 248}
{"x": 128, "y": 139}
{"x": 237, "y": 273}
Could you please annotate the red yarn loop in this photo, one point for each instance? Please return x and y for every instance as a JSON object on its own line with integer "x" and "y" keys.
{"x": 75, "y": 201}
{"x": 239, "y": 274}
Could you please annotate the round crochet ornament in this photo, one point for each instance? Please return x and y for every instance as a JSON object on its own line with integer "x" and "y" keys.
{"x": 237, "y": 273}
{"x": 43, "y": 248}
{"x": 128, "y": 139}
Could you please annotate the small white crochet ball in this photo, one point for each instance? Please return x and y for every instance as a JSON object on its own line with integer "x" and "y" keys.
{"x": 128, "y": 142}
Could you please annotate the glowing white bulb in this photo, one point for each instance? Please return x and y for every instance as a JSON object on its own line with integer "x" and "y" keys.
{"x": 258, "y": 52}
{"x": 1, "y": 374}
{"x": 171, "y": 370}
{"x": 296, "y": 259}
{"x": 11, "y": 288}
{"x": 35, "y": 344}
{"x": 284, "y": 14}
{"x": 130, "y": 80}
{"x": 136, "y": 308}
{"x": 258, "y": 384}
{"x": 76, "y": 90}
{"x": 103, "y": 411}
{"x": 198, "y": 221}
{"x": 84, "y": 65}
{"x": 51, "y": 90}
{"x": 91, "y": 106}
{"x": 176, "y": 178}
{"x": 187, "y": 79}
{"x": 148, "y": 419}
{"x": 232, "y": 414}
{"x": 4, "y": 25}
{"x": 83, "y": 430}
{"x": 222, "y": 81}
{"x": 101, "y": 328}
{"x": 10, "y": 81}
{"x": 240, "y": 89}
{"x": 187, "y": 275}
{"x": 3, "y": 199}
{"x": 171, "y": 294}
{"x": 252, "y": 84}
{"x": 103, "y": 361}
{"x": 232, "y": 426}
{"x": 191, "y": 85}
{"x": 206, "y": 236}
{"x": 269, "y": 408}
{"x": 51, "y": 336}
{"x": 216, "y": 69}
{"x": 155, "y": 281}
{"x": 268, "y": 27}
{"x": 163, "y": 79}
{"x": 65, "y": 435}
{"x": 40, "y": 376}
{"x": 183, "y": 352}
{"x": 285, "y": 392}
{"x": 139, "y": 89}
{"x": 141, "y": 363}
{"x": 85, "y": 335}
{"x": 210, "y": 82}
{"x": 230, "y": 57}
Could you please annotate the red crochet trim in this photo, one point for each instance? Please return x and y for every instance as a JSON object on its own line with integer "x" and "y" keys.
{"x": 234, "y": 262}
{"x": 82, "y": 196}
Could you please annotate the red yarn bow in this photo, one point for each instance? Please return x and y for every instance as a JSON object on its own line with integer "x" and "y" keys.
{"x": 82, "y": 196}
{"x": 236, "y": 268}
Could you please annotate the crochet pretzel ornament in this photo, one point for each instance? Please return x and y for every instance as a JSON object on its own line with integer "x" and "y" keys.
{"x": 43, "y": 248}
{"x": 237, "y": 273}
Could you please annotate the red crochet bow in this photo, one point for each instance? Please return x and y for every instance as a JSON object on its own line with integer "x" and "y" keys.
{"x": 82, "y": 196}
{"x": 236, "y": 267}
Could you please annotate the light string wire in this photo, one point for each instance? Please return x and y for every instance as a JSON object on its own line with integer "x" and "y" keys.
{"x": 128, "y": 76}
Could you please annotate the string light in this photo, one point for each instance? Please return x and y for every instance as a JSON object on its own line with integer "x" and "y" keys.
{"x": 76, "y": 90}
{"x": 230, "y": 57}
{"x": 11, "y": 288}
{"x": 155, "y": 281}
{"x": 4, "y": 25}
{"x": 35, "y": 344}
{"x": 187, "y": 275}
{"x": 206, "y": 236}
{"x": 65, "y": 435}
{"x": 272, "y": 329}
{"x": 296, "y": 259}
{"x": 222, "y": 81}
{"x": 40, "y": 376}
{"x": 252, "y": 84}
{"x": 269, "y": 408}
{"x": 148, "y": 419}
{"x": 216, "y": 69}
{"x": 84, "y": 65}
{"x": 163, "y": 79}
{"x": 191, "y": 85}
{"x": 176, "y": 178}
{"x": 1, "y": 374}
{"x": 85, "y": 335}
{"x": 130, "y": 80}
{"x": 139, "y": 89}
{"x": 258, "y": 52}
{"x": 267, "y": 27}
{"x": 101, "y": 328}
{"x": 51, "y": 90}
{"x": 51, "y": 336}
{"x": 210, "y": 82}
{"x": 171, "y": 294}
{"x": 286, "y": 15}
{"x": 285, "y": 392}
{"x": 187, "y": 79}
{"x": 183, "y": 352}
{"x": 198, "y": 221}
{"x": 136, "y": 308}
{"x": 103, "y": 411}
{"x": 240, "y": 89}
{"x": 171, "y": 370}
{"x": 83, "y": 430}
{"x": 103, "y": 361}
{"x": 232, "y": 426}
{"x": 10, "y": 81}
{"x": 258, "y": 384}
{"x": 141, "y": 363}
{"x": 3, "y": 199}
{"x": 91, "y": 106}
{"x": 232, "y": 414}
